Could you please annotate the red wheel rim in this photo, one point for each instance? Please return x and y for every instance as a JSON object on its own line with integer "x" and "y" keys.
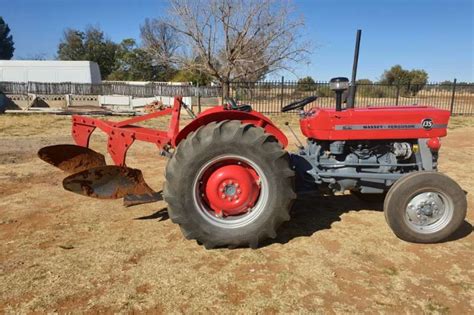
{"x": 229, "y": 187}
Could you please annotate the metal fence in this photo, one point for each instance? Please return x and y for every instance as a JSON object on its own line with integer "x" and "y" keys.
{"x": 271, "y": 96}
{"x": 107, "y": 88}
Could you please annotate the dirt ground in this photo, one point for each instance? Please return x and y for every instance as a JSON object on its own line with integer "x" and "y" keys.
{"x": 61, "y": 252}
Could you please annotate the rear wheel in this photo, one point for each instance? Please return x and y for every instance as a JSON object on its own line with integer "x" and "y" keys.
{"x": 229, "y": 184}
{"x": 425, "y": 207}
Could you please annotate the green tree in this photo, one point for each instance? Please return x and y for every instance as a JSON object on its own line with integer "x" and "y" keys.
{"x": 306, "y": 84}
{"x": 396, "y": 75}
{"x": 6, "y": 41}
{"x": 133, "y": 63}
{"x": 445, "y": 85}
{"x": 367, "y": 88}
{"x": 418, "y": 80}
{"x": 446, "y": 82}
{"x": 91, "y": 45}
{"x": 364, "y": 82}
{"x": 193, "y": 76}
{"x": 71, "y": 46}
{"x": 411, "y": 81}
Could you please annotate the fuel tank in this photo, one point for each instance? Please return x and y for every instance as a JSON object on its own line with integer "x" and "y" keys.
{"x": 400, "y": 122}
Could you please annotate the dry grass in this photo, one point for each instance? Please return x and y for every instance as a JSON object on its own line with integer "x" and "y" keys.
{"x": 63, "y": 253}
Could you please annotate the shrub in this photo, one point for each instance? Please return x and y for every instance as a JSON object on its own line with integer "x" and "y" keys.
{"x": 306, "y": 84}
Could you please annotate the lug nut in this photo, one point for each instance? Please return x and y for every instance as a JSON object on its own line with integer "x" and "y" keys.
{"x": 222, "y": 196}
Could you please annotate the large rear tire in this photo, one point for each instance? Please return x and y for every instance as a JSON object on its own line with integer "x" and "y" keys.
{"x": 229, "y": 184}
{"x": 425, "y": 207}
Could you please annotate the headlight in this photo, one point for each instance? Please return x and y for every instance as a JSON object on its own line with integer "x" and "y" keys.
{"x": 339, "y": 84}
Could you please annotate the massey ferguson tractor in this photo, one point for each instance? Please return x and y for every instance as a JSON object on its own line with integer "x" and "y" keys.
{"x": 230, "y": 181}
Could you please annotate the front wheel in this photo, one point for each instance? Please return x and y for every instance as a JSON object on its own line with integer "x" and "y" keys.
{"x": 425, "y": 207}
{"x": 229, "y": 184}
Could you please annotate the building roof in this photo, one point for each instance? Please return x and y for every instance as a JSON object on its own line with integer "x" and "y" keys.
{"x": 45, "y": 63}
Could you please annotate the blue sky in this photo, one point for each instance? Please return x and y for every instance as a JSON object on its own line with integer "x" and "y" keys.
{"x": 435, "y": 35}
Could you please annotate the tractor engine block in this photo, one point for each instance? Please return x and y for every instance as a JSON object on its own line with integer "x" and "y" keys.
{"x": 370, "y": 166}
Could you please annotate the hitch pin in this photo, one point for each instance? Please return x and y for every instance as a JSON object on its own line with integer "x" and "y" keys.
{"x": 301, "y": 147}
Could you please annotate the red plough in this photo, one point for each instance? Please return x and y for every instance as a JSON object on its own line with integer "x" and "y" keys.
{"x": 93, "y": 178}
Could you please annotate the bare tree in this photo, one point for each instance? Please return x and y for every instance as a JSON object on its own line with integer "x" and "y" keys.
{"x": 235, "y": 39}
{"x": 159, "y": 39}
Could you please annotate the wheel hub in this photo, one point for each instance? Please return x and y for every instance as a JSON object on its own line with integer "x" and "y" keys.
{"x": 231, "y": 189}
{"x": 425, "y": 209}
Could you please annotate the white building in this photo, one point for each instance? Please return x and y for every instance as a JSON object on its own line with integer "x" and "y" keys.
{"x": 51, "y": 71}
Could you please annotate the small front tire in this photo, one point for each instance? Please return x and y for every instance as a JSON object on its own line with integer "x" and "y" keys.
{"x": 425, "y": 207}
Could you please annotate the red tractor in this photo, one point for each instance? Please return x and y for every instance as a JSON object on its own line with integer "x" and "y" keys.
{"x": 230, "y": 181}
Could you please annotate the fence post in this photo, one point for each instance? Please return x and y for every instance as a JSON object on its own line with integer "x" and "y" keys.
{"x": 282, "y": 84}
{"x": 453, "y": 95}
{"x": 67, "y": 97}
{"x": 199, "y": 98}
{"x": 398, "y": 94}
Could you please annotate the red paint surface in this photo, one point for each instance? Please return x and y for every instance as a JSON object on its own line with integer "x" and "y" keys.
{"x": 218, "y": 113}
{"x": 121, "y": 135}
{"x": 322, "y": 124}
{"x": 243, "y": 180}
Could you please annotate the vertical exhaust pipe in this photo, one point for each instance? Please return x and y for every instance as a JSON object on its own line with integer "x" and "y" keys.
{"x": 352, "y": 91}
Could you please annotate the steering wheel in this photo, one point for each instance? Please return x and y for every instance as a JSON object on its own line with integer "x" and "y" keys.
{"x": 298, "y": 104}
{"x": 232, "y": 103}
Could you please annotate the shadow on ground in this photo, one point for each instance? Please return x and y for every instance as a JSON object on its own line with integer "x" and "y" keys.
{"x": 311, "y": 215}
{"x": 314, "y": 213}
{"x": 464, "y": 230}
{"x": 161, "y": 215}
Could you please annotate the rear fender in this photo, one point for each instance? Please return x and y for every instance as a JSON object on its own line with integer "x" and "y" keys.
{"x": 217, "y": 114}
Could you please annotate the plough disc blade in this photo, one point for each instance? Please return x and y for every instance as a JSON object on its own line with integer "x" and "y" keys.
{"x": 71, "y": 158}
{"x": 108, "y": 182}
